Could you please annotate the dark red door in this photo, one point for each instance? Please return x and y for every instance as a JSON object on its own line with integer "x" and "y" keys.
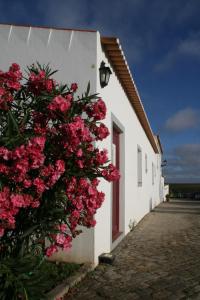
{"x": 115, "y": 200}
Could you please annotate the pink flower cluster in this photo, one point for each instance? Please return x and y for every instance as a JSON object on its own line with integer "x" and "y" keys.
{"x": 54, "y": 152}
{"x": 101, "y": 132}
{"x": 74, "y": 134}
{"x": 97, "y": 110}
{"x": 62, "y": 240}
{"x": 111, "y": 173}
{"x": 52, "y": 173}
{"x": 39, "y": 82}
{"x": 10, "y": 203}
{"x": 16, "y": 163}
{"x": 9, "y": 84}
{"x": 60, "y": 103}
{"x": 85, "y": 199}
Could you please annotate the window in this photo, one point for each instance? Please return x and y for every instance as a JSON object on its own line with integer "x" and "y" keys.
{"x": 153, "y": 172}
{"x": 146, "y": 165}
{"x": 139, "y": 165}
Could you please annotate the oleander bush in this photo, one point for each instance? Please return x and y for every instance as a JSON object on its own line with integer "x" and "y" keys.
{"x": 49, "y": 169}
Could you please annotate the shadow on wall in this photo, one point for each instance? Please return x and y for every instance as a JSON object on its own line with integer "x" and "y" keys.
{"x": 150, "y": 204}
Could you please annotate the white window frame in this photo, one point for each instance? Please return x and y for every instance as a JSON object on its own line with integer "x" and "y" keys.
{"x": 139, "y": 165}
{"x": 146, "y": 163}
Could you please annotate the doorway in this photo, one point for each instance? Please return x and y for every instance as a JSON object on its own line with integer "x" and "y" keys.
{"x": 116, "y": 184}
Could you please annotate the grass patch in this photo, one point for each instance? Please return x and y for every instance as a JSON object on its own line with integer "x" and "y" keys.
{"x": 56, "y": 273}
{"x": 31, "y": 278}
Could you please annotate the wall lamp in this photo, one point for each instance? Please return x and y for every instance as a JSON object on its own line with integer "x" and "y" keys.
{"x": 164, "y": 163}
{"x": 104, "y": 74}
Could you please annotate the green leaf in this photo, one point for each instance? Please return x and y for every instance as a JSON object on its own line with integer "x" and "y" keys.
{"x": 12, "y": 122}
{"x": 29, "y": 231}
{"x": 88, "y": 89}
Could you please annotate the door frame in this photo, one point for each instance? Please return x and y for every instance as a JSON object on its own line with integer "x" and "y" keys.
{"x": 116, "y": 184}
{"x": 118, "y": 125}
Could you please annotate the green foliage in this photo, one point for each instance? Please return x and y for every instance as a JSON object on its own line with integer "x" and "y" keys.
{"x": 31, "y": 277}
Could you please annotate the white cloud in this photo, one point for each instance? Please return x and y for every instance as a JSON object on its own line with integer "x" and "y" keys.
{"x": 183, "y": 119}
{"x": 183, "y": 164}
{"x": 111, "y": 18}
{"x": 188, "y": 47}
{"x": 136, "y": 22}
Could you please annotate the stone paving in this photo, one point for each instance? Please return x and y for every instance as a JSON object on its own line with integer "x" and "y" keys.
{"x": 159, "y": 259}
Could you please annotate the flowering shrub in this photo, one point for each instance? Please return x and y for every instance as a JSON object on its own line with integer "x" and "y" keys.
{"x": 49, "y": 168}
{"x": 49, "y": 165}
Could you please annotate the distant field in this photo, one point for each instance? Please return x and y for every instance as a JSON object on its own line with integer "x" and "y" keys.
{"x": 186, "y": 190}
{"x": 184, "y": 187}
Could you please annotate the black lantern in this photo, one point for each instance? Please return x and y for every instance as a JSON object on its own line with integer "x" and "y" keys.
{"x": 104, "y": 73}
{"x": 164, "y": 163}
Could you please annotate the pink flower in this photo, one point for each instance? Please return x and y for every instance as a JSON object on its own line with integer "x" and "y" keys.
{"x": 74, "y": 87}
{"x": 2, "y": 91}
{"x": 39, "y": 141}
{"x": 60, "y": 238}
{"x": 97, "y": 110}
{"x": 67, "y": 242}
{"x": 62, "y": 227}
{"x": 111, "y": 173}
{"x": 95, "y": 182}
{"x": 60, "y": 103}
{"x": 39, "y": 184}
{"x": 42, "y": 74}
{"x": 14, "y": 67}
{"x": 80, "y": 164}
{"x": 101, "y": 157}
{"x": 60, "y": 166}
{"x": 49, "y": 85}
{"x": 35, "y": 203}
{"x": 1, "y": 231}
{"x": 83, "y": 182}
{"x": 69, "y": 97}
{"x": 17, "y": 200}
{"x": 101, "y": 132}
{"x": 51, "y": 250}
{"x": 5, "y": 153}
{"x": 91, "y": 191}
{"x": 79, "y": 153}
{"x": 4, "y": 169}
{"x": 14, "y": 85}
{"x": 75, "y": 214}
{"x": 19, "y": 152}
{"x": 27, "y": 183}
{"x": 28, "y": 199}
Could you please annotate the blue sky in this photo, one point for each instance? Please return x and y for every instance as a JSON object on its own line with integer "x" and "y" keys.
{"x": 161, "y": 40}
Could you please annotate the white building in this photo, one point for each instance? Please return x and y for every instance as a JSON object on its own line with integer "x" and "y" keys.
{"x": 78, "y": 55}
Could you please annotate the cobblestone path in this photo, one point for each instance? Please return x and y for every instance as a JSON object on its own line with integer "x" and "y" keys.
{"x": 159, "y": 259}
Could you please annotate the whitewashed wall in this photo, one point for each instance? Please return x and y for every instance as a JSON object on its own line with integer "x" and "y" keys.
{"x": 73, "y": 53}
{"x": 77, "y": 56}
{"x": 135, "y": 201}
{"x": 166, "y": 191}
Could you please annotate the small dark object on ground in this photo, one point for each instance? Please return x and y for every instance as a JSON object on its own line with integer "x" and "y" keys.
{"x": 106, "y": 258}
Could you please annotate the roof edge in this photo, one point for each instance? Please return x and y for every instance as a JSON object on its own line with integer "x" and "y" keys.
{"x": 117, "y": 59}
{"x": 159, "y": 143}
{"x": 47, "y": 27}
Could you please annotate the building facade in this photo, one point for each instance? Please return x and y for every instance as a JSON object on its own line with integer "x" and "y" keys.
{"x": 131, "y": 145}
